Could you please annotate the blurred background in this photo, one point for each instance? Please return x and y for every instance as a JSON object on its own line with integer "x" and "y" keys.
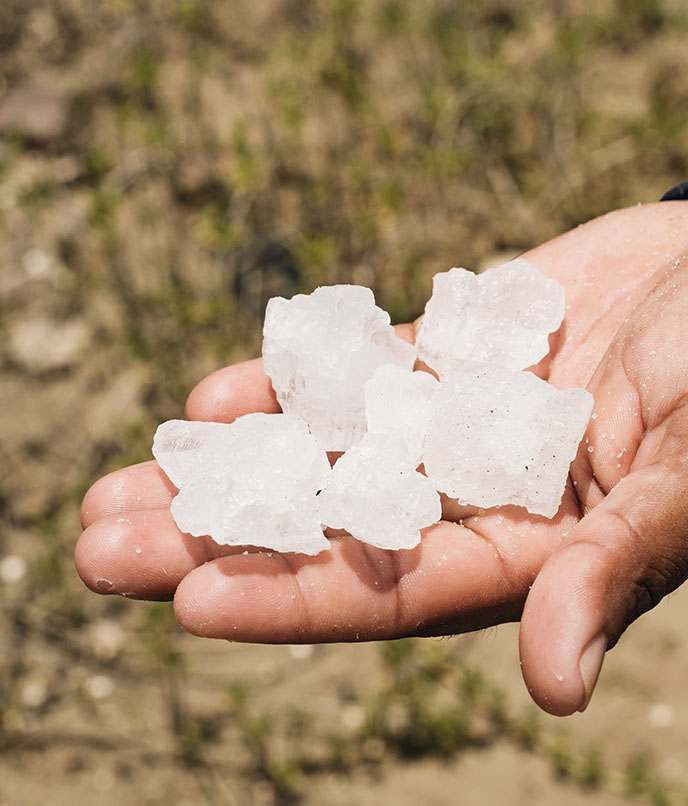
{"x": 165, "y": 168}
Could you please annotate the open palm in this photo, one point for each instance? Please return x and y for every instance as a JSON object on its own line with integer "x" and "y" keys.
{"x": 617, "y": 545}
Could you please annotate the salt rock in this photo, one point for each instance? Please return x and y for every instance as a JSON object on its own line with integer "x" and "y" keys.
{"x": 503, "y": 316}
{"x": 252, "y": 482}
{"x": 320, "y": 349}
{"x": 502, "y": 437}
{"x": 376, "y": 494}
{"x": 397, "y": 402}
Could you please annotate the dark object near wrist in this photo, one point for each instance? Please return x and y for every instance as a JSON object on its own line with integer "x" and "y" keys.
{"x": 677, "y": 193}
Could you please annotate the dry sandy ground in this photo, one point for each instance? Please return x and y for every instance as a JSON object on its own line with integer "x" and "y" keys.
{"x": 114, "y": 746}
{"x": 136, "y": 227}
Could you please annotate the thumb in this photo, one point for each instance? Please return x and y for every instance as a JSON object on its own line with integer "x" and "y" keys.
{"x": 619, "y": 561}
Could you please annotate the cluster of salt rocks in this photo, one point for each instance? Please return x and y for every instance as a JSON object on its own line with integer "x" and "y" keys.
{"x": 487, "y": 433}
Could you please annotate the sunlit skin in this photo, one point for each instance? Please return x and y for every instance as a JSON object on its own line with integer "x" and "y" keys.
{"x": 618, "y": 544}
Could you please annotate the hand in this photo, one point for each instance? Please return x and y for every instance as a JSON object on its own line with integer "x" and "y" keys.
{"x": 618, "y": 544}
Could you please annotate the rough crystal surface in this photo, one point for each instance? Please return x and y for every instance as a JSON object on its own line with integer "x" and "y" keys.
{"x": 320, "y": 349}
{"x": 252, "y": 482}
{"x": 503, "y": 316}
{"x": 488, "y": 434}
{"x": 397, "y": 402}
{"x": 376, "y": 494}
{"x": 497, "y": 437}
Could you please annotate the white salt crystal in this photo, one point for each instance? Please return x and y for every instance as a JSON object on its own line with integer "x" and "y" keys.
{"x": 252, "y": 482}
{"x": 376, "y": 494}
{"x": 502, "y": 437}
{"x": 320, "y": 349}
{"x": 398, "y": 402}
{"x": 502, "y": 316}
{"x": 488, "y": 434}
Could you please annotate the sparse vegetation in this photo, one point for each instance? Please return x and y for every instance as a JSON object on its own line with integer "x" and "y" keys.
{"x": 184, "y": 161}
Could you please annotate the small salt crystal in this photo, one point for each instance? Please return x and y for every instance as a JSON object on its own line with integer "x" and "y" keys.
{"x": 320, "y": 349}
{"x": 397, "y": 402}
{"x": 253, "y": 482}
{"x": 503, "y": 316}
{"x": 502, "y": 437}
{"x": 377, "y": 495}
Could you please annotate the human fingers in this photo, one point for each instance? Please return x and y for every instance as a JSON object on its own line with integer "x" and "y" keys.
{"x": 138, "y": 487}
{"x": 457, "y": 579}
{"x": 220, "y": 397}
{"x": 231, "y": 392}
{"x": 624, "y": 556}
{"x": 142, "y": 555}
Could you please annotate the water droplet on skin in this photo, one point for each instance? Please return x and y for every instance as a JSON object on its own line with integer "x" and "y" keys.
{"x": 138, "y": 549}
{"x": 590, "y": 449}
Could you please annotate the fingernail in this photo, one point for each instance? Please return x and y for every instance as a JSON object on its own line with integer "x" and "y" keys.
{"x": 590, "y": 665}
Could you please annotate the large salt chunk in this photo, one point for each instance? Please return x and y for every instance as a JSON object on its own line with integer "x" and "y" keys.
{"x": 377, "y": 495}
{"x": 502, "y": 437}
{"x": 397, "y": 402}
{"x": 320, "y": 349}
{"x": 503, "y": 316}
{"x": 252, "y": 482}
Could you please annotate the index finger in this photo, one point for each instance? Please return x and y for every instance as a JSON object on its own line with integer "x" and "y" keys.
{"x": 231, "y": 392}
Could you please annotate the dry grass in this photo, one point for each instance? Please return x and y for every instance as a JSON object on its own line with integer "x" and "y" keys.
{"x": 188, "y": 160}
